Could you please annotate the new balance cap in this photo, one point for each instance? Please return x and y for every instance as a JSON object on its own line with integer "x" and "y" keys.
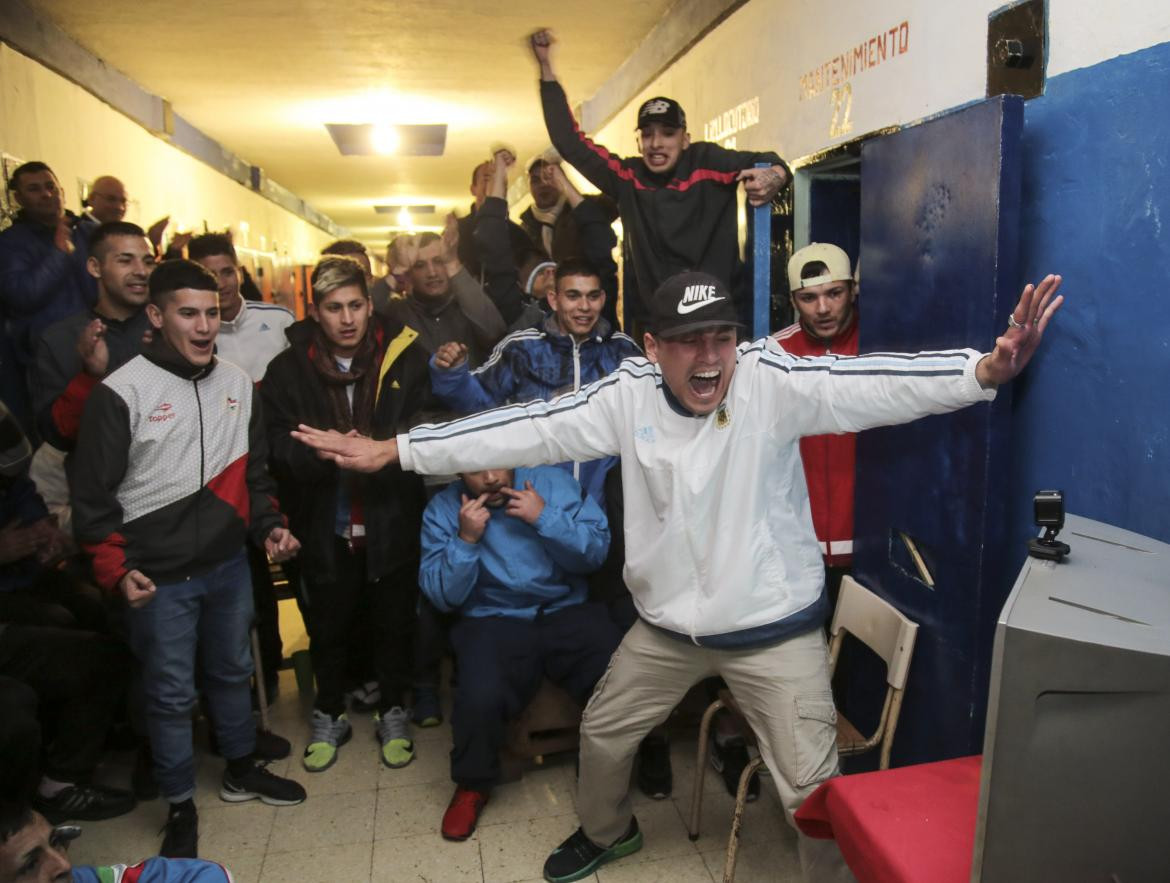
{"x": 662, "y": 110}
{"x": 691, "y": 301}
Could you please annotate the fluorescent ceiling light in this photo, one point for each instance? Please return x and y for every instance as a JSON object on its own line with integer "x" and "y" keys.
{"x": 413, "y": 209}
{"x": 366, "y": 139}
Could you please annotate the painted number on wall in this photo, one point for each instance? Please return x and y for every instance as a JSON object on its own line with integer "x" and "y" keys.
{"x": 841, "y": 98}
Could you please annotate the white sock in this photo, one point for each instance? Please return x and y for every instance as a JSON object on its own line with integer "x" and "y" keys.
{"x": 51, "y": 787}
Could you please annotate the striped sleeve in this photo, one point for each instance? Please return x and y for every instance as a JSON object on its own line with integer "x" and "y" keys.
{"x": 583, "y": 425}
{"x": 831, "y": 394}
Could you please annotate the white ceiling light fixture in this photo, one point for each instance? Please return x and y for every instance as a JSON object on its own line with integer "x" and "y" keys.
{"x": 370, "y": 139}
{"x": 384, "y": 140}
{"x": 398, "y": 209}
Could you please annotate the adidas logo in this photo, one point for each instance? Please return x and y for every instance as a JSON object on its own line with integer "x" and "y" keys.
{"x": 264, "y": 326}
{"x": 696, "y": 297}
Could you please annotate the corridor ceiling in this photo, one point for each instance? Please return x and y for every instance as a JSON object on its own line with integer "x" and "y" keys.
{"x": 263, "y": 77}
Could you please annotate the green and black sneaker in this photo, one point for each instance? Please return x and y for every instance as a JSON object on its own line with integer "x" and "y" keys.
{"x": 578, "y": 857}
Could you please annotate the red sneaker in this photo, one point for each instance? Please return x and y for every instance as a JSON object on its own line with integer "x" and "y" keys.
{"x": 462, "y": 813}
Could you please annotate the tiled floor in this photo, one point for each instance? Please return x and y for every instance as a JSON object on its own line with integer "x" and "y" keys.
{"x": 364, "y": 822}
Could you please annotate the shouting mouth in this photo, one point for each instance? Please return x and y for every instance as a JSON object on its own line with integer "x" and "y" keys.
{"x": 704, "y": 383}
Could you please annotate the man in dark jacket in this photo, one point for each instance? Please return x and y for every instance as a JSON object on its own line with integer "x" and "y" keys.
{"x": 42, "y": 275}
{"x": 677, "y": 200}
{"x": 170, "y": 476}
{"x": 469, "y": 255}
{"x": 519, "y": 281}
{"x": 75, "y": 353}
{"x": 351, "y": 370}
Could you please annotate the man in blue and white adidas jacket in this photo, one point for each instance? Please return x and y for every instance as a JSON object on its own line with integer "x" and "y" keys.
{"x": 251, "y": 333}
{"x": 722, "y": 559}
{"x": 573, "y": 348}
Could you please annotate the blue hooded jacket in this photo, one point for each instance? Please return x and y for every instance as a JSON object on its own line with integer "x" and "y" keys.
{"x": 516, "y": 569}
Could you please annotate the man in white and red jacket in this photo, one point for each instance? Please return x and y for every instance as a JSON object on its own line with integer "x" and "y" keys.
{"x": 824, "y": 296}
{"x": 170, "y": 477}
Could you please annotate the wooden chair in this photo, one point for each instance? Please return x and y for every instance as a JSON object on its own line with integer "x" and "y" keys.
{"x": 550, "y": 723}
{"x": 878, "y": 625}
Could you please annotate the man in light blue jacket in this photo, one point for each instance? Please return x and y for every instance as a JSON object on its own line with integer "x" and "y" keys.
{"x": 507, "y": 550}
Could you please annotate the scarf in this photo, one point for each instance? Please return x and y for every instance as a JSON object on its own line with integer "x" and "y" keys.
{"x": 362, "y": 373}
{"x": 548, "y": 220}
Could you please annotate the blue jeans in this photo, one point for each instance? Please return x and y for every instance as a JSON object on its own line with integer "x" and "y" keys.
{"x": 208, "y": 617}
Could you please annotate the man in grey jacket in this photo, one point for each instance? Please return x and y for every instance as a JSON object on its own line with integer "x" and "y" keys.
{"x": 443, "y": 302}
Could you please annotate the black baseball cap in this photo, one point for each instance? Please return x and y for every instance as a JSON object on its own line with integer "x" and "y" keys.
{"x": 662, "y": 110}
{"x": 690, "y": 301}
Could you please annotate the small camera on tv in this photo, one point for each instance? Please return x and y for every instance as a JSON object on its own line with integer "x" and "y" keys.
{"x": 1048, "y": 509}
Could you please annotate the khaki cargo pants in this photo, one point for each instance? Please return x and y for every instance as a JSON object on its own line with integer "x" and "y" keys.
{"x": 783, "y": 691}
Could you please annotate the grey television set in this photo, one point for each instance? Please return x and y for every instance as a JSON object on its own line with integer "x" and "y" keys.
{"x": 1076, "y": 757}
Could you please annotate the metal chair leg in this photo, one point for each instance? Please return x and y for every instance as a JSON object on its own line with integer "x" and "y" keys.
{"x": 701, "y": 767}
{"x": 261, "y": 690}
{"x": 737, "y": 819}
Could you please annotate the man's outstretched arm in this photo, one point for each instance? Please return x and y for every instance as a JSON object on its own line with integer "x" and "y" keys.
{"x": 585, "y": 425}
{"x": 812, "y": 396}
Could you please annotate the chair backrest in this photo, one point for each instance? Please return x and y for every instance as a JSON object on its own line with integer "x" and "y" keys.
{"x": 877, "y": 624}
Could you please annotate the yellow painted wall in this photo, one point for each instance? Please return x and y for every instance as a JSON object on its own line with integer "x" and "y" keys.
{"x": 44, "y": 116}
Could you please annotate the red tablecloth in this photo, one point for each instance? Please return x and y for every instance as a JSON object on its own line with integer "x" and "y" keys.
{"x": 913, "y": 824}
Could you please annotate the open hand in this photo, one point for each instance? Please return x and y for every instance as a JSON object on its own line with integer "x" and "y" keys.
{"x": 1015, "y": 348}
{"x": 525, "y": 505}
{"x": 473, "y": 518}
{"x": 355, "y": 452}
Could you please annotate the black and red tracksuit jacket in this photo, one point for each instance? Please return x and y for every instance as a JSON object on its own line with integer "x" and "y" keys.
{"x": 169, "y": 472}
{"x": 685, "y": 220}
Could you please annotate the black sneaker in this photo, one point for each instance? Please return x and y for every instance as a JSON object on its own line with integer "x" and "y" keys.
{"x": 259, "y": 783}
{"x": 729, "y": 759}
{"x": 181, "y": 837}
{"x": 578, "y": 857}
{"x": 655, "y": 779}
{"x": 89, "y": 803}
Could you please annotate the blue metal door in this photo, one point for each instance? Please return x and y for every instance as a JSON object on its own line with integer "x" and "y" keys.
{"x": 940, "y": 206}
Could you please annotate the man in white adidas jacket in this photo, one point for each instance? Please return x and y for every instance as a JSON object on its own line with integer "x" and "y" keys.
{"x": 722, "y": 560}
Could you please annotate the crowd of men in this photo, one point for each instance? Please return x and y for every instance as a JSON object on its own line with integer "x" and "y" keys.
{"x": 186, "y": 437}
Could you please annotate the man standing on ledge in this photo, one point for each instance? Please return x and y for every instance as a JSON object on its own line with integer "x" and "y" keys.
{"x": 722, "y": 560}
{"x": 677, "y": 199}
